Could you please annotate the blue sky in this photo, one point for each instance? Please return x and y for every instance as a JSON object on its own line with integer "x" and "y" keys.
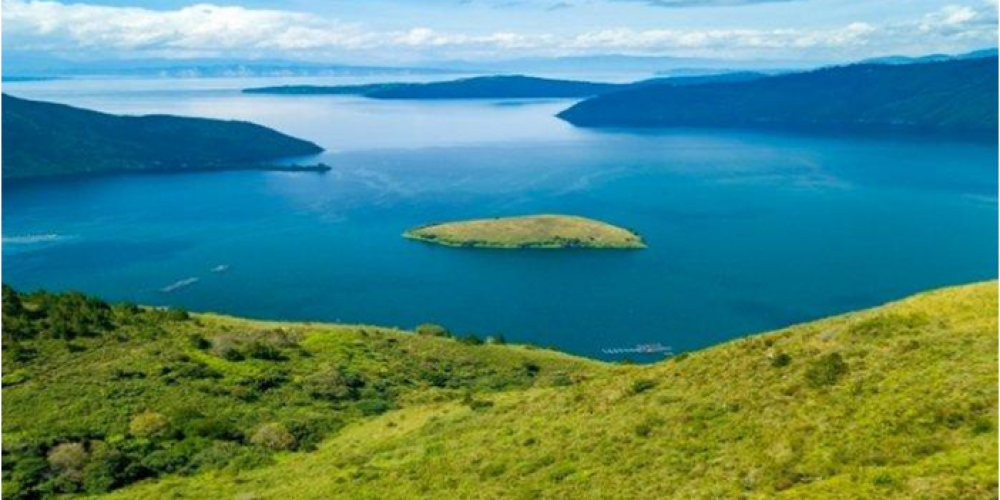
{"x": 407, "y": 31}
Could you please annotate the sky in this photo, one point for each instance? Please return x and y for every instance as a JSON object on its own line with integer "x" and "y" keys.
{"x": 413, "y": 31}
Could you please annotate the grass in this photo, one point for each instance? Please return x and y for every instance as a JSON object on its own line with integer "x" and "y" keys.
{"x": 148, "y": 393}
{"x": 894, "y": 402}
{"x": 533, "y": 231}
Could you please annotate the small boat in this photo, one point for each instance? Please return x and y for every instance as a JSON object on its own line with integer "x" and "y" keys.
{"x": 655, "y": 348}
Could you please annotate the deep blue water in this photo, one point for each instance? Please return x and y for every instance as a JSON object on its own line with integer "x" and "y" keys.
{"x": 746, "y": 231}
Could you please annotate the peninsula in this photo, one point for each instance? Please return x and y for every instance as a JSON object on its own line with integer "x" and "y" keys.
{"x": 44, "y": 139}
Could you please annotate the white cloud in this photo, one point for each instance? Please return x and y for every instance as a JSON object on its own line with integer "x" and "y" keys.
{"x": 623, "y": 39}
{"x": 229, "y": 30}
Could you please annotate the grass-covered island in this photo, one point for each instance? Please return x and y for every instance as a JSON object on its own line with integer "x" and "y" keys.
{"x": 531, "y": 231}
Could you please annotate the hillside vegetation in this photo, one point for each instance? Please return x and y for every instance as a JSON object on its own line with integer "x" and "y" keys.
{"x": 531, "y": 231}
{"x": 42, "y": 139}
{"x": 895, "y": 402}
{"x": 96, "y": 396}
{"x": 955, "y": 96}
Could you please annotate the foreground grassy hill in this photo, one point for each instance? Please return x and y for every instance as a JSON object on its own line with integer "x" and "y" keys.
{"x": 894, "y": 402}
{"x": 96, "y": 397}
{"x": 43, "y": 139}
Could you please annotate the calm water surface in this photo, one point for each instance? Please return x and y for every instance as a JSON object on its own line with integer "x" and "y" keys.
{"x": 746, "y": 232}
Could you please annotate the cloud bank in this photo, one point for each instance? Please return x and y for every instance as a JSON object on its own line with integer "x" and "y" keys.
{"x": 214, "y": 30}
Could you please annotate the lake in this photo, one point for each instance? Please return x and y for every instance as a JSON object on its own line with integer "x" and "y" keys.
{"x": 746, "y": 231}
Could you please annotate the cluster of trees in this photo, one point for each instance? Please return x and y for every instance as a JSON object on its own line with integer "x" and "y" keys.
{"x": 64, "y": 316}
{"x": 435, "y": 330}
{"x": 155, "y": 444}
{"x": 180, "y": 395}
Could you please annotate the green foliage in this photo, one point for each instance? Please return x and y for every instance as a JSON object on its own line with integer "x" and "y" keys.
{"x": 911, "y": 413}
{"x": 152, "y": 392}
{"x": 826, "y": 370}
{"x": 66, "y": 316}
{"x": 374, "y": 406}
{"x": 150, "y": 425}
{"x": 432, "y": 330}
{"x": 781, "y": 360}
{"x": 274, "y": 436}
{"x": 470, "y": 339}
{"x": 642, "y": 385}
{"x": 333, "y": 384}
{"x": 496, "y": 339}
{"x": 68, "y": 458}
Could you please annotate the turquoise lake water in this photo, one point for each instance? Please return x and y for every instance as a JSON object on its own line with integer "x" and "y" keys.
{"x": 746, "y": 231}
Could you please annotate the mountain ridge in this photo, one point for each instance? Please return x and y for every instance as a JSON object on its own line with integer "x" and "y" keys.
{"x": 956, "y": 96}
{"x": 43, "y": 139}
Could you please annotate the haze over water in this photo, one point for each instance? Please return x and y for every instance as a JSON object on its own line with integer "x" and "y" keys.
{"x": 746, "y": 231}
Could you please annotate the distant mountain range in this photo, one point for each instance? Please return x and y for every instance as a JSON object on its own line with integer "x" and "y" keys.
{"x": 495, "y": 87}
{"x": 43, "y": 139}
{"x": 33, "y": 65}
{"x": 976, "y": 54}
{"x": 954, "y": 96}
{"x": 484, "y": 87}
{"x": 28, "y": 78}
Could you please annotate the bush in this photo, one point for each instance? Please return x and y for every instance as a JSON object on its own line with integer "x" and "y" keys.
{"x": 262, "y": 350}
{"x": 476, "y": 404}
{"x": 12, "y": 305}
{"x": 68, "y": 459}
{"x": 24, "y": 474}
{"x": 470, "y": 340}
{"x": 211, "y": 427}
{"x": 333, "y": 384}
{"x": 496, "y": 340}
{"x": 149, "y": 425}
{"x": 273, "y": 436}
{"x": 102, "y": 473}
{"x": 73, "y": 314}
{"x": 826, "y": 370}
{"x": 642, "y": 385}
{"x": 175, "y": 314}
{"x": 781, "y": 360}
{"x": 374, "y": 406}
{"x": 226, "y": 348}
{"x": 198, "y": 341}
{"x": 215, "y": 456}
{"x": 643, "y": 429}
{"x": 432, "y": 330}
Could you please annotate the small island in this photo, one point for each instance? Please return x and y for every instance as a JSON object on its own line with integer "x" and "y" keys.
{"x": 532, "y": 231}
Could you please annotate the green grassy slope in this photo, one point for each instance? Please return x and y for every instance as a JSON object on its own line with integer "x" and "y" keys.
{"x": 43, "y": 139}
{"x": 894, "y": 402}
{"x": 97, "y": 397}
